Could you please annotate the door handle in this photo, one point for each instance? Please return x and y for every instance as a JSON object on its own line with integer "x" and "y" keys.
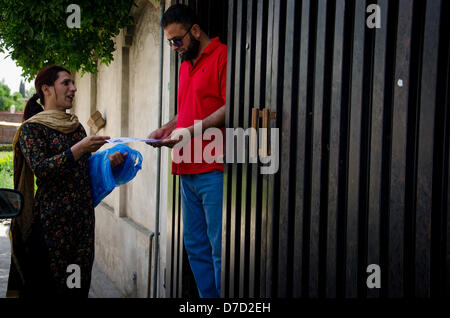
{"x": 265, "y": 114}
{"x": 253, "y": 133}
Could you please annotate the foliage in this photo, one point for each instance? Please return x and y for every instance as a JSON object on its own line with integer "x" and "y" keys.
{"x": 7, "y": 147}
{"x": 6, "y": 99}
{"x": 22, "y": 88}
{"x": 6, "y": 170}
{"x": 36, "y": 33}
{"x": 30, "y": 92}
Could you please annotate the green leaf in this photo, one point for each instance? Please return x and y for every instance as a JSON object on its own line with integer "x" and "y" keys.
{"x": 36, "y": 34}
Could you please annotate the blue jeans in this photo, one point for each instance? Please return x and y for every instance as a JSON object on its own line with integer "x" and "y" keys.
{"x": 201, "y": 204}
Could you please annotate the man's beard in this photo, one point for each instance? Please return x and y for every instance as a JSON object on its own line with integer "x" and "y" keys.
{"x": 192, "y": 51}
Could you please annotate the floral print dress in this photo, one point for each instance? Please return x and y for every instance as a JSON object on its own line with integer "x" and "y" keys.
{"x": 63, "y": 203}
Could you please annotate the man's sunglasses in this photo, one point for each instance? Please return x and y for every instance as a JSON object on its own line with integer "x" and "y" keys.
{"x": 179, "y": 41}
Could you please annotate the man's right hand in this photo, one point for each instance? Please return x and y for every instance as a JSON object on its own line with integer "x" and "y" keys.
{"x": 161, "y": 134}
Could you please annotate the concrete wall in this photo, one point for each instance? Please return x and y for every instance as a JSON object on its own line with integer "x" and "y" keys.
{"x": 82, "y": 99}
{"x": 126, "y": 94}
{"x": 143, "y": 105}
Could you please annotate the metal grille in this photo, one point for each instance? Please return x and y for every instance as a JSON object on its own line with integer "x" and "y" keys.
{"x": 363, "y": 115}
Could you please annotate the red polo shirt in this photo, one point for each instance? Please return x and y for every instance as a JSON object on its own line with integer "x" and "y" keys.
{"x": 202, "y": 90}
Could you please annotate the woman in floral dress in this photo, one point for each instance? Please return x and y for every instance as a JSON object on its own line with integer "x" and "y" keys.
{"x": 53, "y": 238}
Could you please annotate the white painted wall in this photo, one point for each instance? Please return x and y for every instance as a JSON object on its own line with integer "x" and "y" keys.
{"x": 123, "y": 227}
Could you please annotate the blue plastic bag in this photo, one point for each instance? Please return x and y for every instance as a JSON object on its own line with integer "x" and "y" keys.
{"x": 104, "y": 178}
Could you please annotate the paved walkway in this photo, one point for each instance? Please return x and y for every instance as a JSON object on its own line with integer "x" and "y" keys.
{"x": 101, "y": 285}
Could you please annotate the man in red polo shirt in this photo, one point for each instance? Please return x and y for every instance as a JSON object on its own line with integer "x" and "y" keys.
{"x": 201, "y": 103}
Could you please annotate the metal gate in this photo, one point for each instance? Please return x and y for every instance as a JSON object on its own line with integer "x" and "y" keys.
{"x": 363, "y": 117}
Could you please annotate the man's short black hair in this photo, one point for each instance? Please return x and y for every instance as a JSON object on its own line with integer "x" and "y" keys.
{"x": 179, "y": 13}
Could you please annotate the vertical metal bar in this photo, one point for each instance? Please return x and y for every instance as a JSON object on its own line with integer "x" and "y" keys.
{"x": 351, "y": 261}
{"x": 237, "y": 168}
{"x": 244, "y": 235}
{"x": 388, "y": 107}
{"x": 446, "y": 209}
{"x": 446, "y": 186}
{"x": 301, "y": 146}
{"x": 175, "y": 245}
{"x": 266, "y": 191}
{"x": 376, "y": 144}
{"x": 260, "y": 53}
{"x": 180, "y": 243}
{"x": 243, "y": 253}
{"x": 171, "y": 189}
{"x": 172, "y": 184}
{"x": 226, "y": 220}
{"x": 175, "y": 236}
{"x": 255, "y": 217}
{"x": 158, "y": 162}
{"x": 259, "y": 210}
{"x": 286, "y": 166}
{"x": 263, "y": 151}
{"x": 319, "y": 75}
{"x": 177, "y": 274}
{"x": 302, "y": 116}
{"x": 440, "y": 277}
{"x": 425, "y": 149}
{"x": 253, "y": 137}
{"x": 247, "y": 93}
{"x": 250, "y": 181}
{"x": 226, "y": 241}
{"x": 335, "y": 136}
{"x": 366, "y": 110}
{"x": 398, "y": 158}
{"x": 438, "y": 269}
{"x": 149, "y": 270}
{"x": 170, "y": 238}
{"x": 234, "y": 235}
{"x": 279, "y": 13}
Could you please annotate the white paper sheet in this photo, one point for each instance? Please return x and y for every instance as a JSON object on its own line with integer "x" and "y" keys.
{"x": 124, "y": 140}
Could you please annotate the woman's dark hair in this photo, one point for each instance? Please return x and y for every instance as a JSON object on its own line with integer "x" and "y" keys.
{"x": 47, "y": 76}
{"x": 179, "y": 13}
